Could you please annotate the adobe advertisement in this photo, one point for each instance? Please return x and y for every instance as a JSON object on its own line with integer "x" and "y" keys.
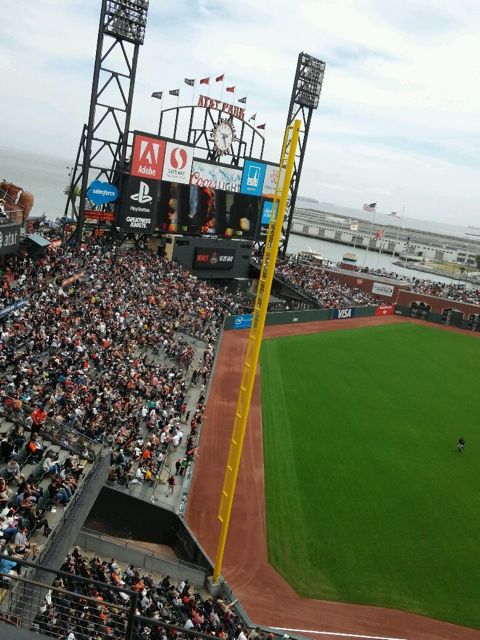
{"x": 177, "y": 165}
{"x": 147, "y": 157}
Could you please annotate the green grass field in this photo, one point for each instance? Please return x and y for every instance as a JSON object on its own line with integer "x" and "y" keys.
{"x": 367, "y": 500}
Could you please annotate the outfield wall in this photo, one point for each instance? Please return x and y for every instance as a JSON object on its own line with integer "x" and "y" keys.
{"x": 447, "y": 318}
{"x": 309, "y": 315}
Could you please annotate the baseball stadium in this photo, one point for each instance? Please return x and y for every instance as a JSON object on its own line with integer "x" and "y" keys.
{"x": 205, "y": 434}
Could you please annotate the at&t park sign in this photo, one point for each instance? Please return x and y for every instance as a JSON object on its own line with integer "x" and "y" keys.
{"x": 237, "y": 112}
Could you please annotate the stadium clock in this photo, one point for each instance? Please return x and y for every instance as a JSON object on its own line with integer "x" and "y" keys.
{"x": 223, "y": 136}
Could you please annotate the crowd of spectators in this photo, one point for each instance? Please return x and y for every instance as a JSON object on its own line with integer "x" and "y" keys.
{"x": 449, "y": 290}
{"x": 320, "y": 287}
{"x": 91, "y": 598}
{"x": 100, "y": 346}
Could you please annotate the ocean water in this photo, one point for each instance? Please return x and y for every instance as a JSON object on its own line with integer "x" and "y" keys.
{"x": 372, "y": 259}
{"x": 44, "y": 176}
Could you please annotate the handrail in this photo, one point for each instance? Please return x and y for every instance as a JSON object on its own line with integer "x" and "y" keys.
{"x": 61, "y": 434}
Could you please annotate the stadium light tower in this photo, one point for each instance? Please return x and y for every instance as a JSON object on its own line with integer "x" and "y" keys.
{"x": 103, "y": 145}
{"x": 305, "y": 97}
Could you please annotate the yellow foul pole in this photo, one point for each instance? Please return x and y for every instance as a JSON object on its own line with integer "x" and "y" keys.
{"x": 287, "y": 160}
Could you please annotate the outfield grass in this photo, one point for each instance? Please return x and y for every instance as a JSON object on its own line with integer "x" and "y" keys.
{"x": 367, "y": 500}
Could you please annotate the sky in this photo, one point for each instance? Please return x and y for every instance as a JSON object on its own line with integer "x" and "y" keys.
{"x": 399, "y": 116}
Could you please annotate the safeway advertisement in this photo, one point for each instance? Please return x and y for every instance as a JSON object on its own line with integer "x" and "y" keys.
{"x": 147, "y": 157}
{"x": 178, "y": 163}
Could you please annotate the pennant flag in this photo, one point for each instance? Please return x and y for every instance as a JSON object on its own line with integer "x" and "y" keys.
{"x": 243, "y": 100}
{"x": 174, "y": 92}
{"x": 190, "y": 81}
{"x": 379, "y": 234}
{"x": 220, "y": 78}
{"x": 262, "y": 126}
{"x": 230, "y": 89}
{"x": 205, "y": 81}
{"x": 369, "y": 207}
{"x": 157, "y": 94}
{"x": 394, "y": 213}
{"x": 254, "y": 117}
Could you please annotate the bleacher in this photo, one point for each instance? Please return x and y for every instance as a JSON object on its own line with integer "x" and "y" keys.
{"x": 95, "y": 597}
{"x": 59, "y": 442}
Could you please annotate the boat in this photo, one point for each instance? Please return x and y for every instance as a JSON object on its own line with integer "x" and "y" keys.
{"x": 313, "y": 257}
{"x": 351, "y": 258}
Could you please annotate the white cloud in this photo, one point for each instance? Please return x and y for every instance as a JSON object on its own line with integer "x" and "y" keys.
{"x": 398, "y": 116}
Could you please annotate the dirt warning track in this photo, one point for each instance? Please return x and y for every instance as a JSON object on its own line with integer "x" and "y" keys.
{"x": 265, "y": 595}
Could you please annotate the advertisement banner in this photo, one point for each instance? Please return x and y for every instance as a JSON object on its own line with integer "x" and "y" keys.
{"x": 212, "y": 258}
{"x": 103, "y": 216}
{"x": 253, "y": 177}
{"x": 385, "y": 310}
{"x": 343, "y": 314}
{"x": 382, "y": 289}
{"x": 12, "y": 307}
{"x": 267, "y": 212}
{"x": 147, "y": 157}
{"x": 139, "y": 199}
{"x": 177, "y": 166}
{"x": 243, "y": 322}
{"x": 101, "y": 192}
{"x": 216, "y": 177}
{"x": 9, "y": 238}
{"x": 270, "y": 181}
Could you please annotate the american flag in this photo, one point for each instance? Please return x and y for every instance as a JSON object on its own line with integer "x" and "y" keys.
{"x": 370, "y": 207}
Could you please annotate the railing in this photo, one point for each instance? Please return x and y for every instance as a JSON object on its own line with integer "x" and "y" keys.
{"x": 61, "y": 602}
{"x": 60, "y": 434}
{"x": 56, "y": 604}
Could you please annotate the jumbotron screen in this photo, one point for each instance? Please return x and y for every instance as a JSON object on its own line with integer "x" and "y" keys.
{"x": 201, "y": 210}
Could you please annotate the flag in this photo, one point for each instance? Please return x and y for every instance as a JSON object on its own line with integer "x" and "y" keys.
{"x": 157, "y": 94}
{"x": 262, "y": 126}
{"x": 174, "y": 92}
{"x": 394, "y": 213}
{"x": 190, "y": 81}
{"x": 354, "y": 227}
{"x": 370, "y": 207}
{"x": 205, "y": 81}
{"x": 379, "y": 234}
{"x": 219, "y": 78}
{"x": 230, "y": 89}
{"x": 254, "y": 117}
{"x": 243, "y": 100}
